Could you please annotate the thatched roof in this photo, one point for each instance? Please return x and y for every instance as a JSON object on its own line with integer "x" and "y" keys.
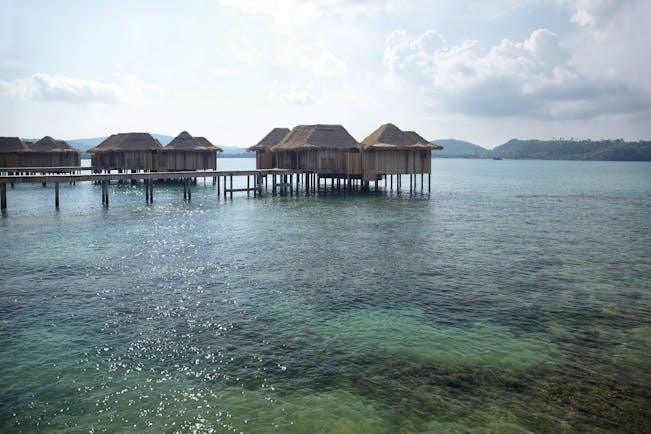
{"x": 207, "y": 145}
{"x": 317, "y": 137}
{"x": 274, "y": 137}
{"x": 185, "y": 142}
{"x": 12, "y": 144}
{"x": 387, "y": 136}
{"x": 48, "y": 144}
{"x": 422, "y": 142}
{"x": 127, "y": 142}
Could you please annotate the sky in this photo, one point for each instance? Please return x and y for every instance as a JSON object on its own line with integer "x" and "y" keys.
{"x": 231, "y": 70}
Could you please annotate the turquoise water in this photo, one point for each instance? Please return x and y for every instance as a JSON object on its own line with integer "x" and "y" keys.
{"x": 514, "y": 298}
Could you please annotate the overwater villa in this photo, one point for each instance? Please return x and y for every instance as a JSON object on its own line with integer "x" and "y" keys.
{"x": 264, "y": 158}
{"x": 185, "y": 152}
{"x": 125, "y": 151}
{"x": 46, "y": 152}
{"x": 327, "y": 150}
{"x": 295, "y": 159}
{"x": 331, "y": 152}
{"x": 12, "y": 150}
{"x": 391, "y": 151}
{"x": 49, "y": 152}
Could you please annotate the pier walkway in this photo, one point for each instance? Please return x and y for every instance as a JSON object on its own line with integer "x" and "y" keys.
{"x": 281, "y": 179}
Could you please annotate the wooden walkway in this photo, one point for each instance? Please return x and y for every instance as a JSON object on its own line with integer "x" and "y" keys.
{"x": 282, "y": 180}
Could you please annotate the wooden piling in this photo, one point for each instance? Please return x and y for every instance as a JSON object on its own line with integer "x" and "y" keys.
{"x": 56, "y": 195}
{"x": 3, "y": 197}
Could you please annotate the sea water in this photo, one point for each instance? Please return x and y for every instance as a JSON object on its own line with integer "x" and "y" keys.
{"x": 515, "y": 297}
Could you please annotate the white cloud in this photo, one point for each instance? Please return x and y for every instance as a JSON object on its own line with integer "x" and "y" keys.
{"x": 245, "y": 51}
{"x": 288, "y": 16}
{"x": 327, "y": 64}
{"x": 317, "y": 61}
{"x": 46, "y": 87}
{"x": 294, "y": 95}
{"x": 535, "y": 78}
{"x": 596, "y": 14}
{"x": 220, "y": 71}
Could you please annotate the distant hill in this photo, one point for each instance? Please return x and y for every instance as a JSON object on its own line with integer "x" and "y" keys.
{"x": 606, "y": 150}
{"x": 460, "y": 149}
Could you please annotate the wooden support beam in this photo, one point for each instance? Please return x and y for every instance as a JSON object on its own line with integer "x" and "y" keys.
{"x": 3, "y": 197}
{"x": 56, "y": 195}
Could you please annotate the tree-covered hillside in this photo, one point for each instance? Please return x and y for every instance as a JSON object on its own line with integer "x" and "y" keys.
{"x": 609, "y": 150}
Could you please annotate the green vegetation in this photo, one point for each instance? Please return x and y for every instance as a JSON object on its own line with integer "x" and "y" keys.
{"x": 607, "y": 150}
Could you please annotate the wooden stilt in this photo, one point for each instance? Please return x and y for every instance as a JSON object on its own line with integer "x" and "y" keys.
{"x": 231, "y": 186}
{"x": 105, "y": 196}
{"x": 3, "y": 197}
{"x": 56, "y": 195}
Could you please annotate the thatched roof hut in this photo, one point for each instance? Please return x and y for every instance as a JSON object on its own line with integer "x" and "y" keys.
{"x": 12, "y": 144}
{"x": 46, "y": 152}
{"x": 125, "y": 151}
{"x": 326, "y": 149}
{"x": 264, "y": 159}
{"x": 49, "y": 152}
{"x": 185, "y": 152}
{"x": 389, "y": 150}
{"x": 12, "y": 150}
